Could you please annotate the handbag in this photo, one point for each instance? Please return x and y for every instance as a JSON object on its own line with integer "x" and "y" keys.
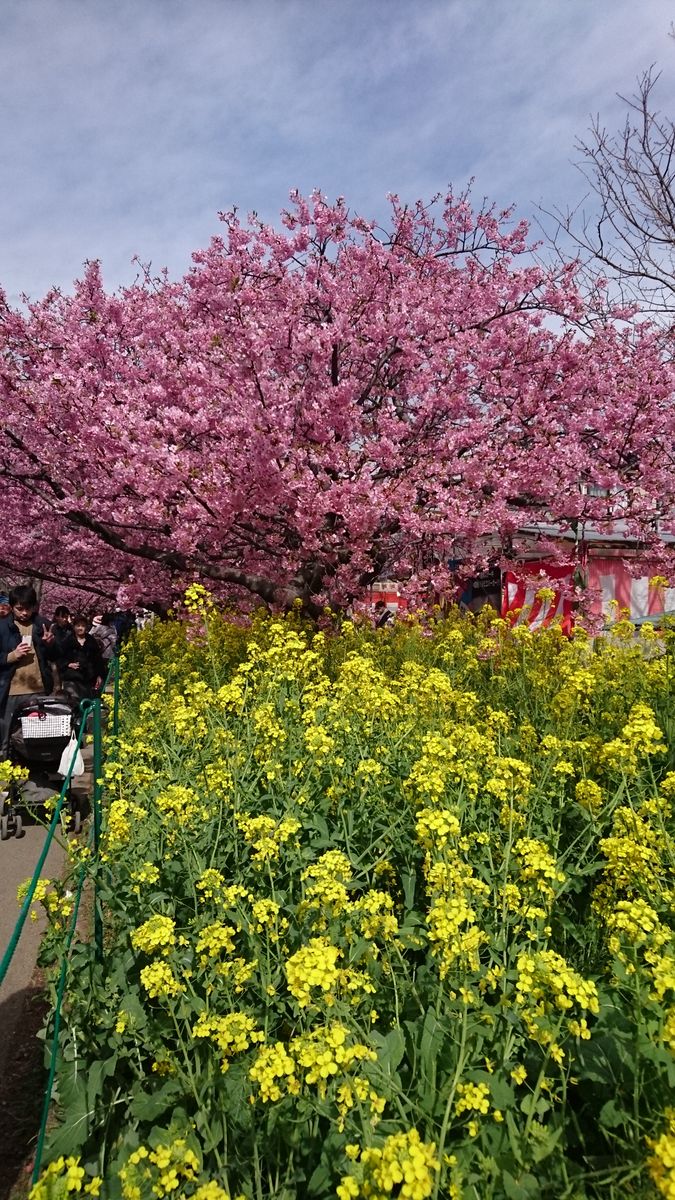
{"x": 67, "y": 757}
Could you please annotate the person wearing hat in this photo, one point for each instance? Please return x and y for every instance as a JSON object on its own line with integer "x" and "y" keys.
{"x": 5, "y": 606}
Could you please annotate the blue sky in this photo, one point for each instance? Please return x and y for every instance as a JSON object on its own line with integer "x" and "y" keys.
{"x": 126, "y": 125}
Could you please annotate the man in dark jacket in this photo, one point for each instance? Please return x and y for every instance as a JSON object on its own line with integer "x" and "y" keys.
{"x": 27, "y": 651}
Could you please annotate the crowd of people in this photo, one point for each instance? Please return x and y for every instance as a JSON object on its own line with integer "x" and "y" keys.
{"x": 68, "y": 656}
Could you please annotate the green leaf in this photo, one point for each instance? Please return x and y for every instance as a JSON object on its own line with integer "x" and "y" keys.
{"x": 521, "y": 1188}
{"x": 409, "y": 884}
{"x": 74, "y": 1098}
{"x": 611, "y": 1116}
{"x": 515, "y": 1137}
{"x": 147, "y": 1106}
{"x": 67, "y": 1138}
{"x": 390, "y": 1049}
{"x": 501, "y": 1092}
{"x": 320, "y": 1182}
{"x": 431, "y": 1043}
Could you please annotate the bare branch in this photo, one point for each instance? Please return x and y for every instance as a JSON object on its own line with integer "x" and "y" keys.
{"x": 630, "y": 229}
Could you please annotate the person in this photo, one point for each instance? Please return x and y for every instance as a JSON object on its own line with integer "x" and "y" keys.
{"x": 81, "y": 667}
{"x": 383, "y": 615}
{"x": 27, "y": 651}
{"x": 60, "y": 626}
{"x": 105, "y": 633}
{"x": 144, "y": 617}
{"x": 5, "y": 607}
{"x": 122, "y": 621}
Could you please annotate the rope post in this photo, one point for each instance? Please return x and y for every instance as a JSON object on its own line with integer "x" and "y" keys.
{"x": 96, "y": 798}
{"x": 57, "y": 1027}
{"x": 116, "y": 695}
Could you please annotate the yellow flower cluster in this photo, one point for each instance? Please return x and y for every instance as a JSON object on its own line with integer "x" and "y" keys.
{"x": 266, "y": 836}
{"x": 435, "y": 827}
{"x": 57, "y": 901}
{"x": 376, "y": 885}
{"x": 232, "y": 1034}
{"x": 327, "y": 897}
{"x": 640, "y": 738}
{"x": 123, "y": 816}
{"x": 548, "y": 991}
{"x": 211, "y": 886}
{"x": 475, "y": 1098}
{"x": 160, "y": 982}
{"x": 147, "y": 873}
{"x": 63, "y": 1177}
{"x": 662, "y": 1159}
{"x": 313, "y": 969}
{"x": 159, "y": 1171}
{"x": 180, "y": 807}
{"x": 374, "y": 915}
{"x": 155, "y": 936}
{"x": 322, "y": 1059}
{"x": 314, "y": 977}
{"x": 404, "y": 1165}
{"x": 472, "y": 1097}
{"x": 589, "y": 795}
{"x": 538, "y": 875}
{"x": 454, "y": 934}
{"x": 267, "y": 918}
{"x": 213, "y": 940}
{"x": 11, "y": 773}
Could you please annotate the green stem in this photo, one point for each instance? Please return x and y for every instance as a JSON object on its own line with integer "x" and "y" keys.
{"x": 447, "y": 1115}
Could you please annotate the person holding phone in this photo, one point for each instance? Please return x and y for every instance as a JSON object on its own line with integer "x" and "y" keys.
{"x": 27, "y": 651}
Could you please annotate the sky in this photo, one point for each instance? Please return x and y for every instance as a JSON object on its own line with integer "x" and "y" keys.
{"x": 127, "y": 125}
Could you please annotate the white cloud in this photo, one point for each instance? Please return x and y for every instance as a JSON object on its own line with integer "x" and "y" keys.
{"x": 125, "y": 127}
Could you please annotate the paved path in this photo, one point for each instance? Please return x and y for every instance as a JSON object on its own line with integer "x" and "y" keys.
{"x": 18, "y": 859}
{"x": 23, "y": 1006}
{"x": 23, "y": 1009}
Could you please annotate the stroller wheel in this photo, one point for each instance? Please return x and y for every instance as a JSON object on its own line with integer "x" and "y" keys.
{"x": 19, "y": 830}
{"x": 4, "y": 827}
{"x": 3, "y": 802}
{"x": 76, "y": 821}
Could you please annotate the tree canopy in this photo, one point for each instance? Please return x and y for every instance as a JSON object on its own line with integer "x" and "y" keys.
{"x": 315, "y": 405}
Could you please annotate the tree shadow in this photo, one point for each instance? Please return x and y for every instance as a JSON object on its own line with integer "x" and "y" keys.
{"x": 22, "y": 1083}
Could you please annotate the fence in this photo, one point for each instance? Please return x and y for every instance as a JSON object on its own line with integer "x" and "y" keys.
{"x": 88, "y": 708}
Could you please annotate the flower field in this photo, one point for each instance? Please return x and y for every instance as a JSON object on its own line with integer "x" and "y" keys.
{"x": 386, "y": 914}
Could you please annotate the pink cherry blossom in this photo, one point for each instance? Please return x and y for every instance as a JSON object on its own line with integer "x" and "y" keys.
{"x": 316, "y": 405}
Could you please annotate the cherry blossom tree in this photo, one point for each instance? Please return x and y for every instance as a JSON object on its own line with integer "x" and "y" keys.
{"x": 314, "y": 406}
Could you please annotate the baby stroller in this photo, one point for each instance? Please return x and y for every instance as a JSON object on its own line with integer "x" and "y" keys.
{"x": 41, "y": 730}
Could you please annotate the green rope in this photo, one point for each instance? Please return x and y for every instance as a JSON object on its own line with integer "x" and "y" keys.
{"x": 97, "y": 793}
{"x": 57, "y": 1025}
{"x": 25, "y": 909}
{"x": 94, "y": 836}
{"x": 116, "y": 695}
